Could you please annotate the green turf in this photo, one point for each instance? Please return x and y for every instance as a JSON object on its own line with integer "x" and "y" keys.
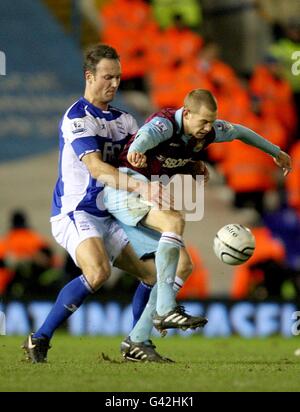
{"x": 233, "y": 364}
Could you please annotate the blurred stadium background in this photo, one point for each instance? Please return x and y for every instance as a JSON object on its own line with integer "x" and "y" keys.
{"x": 242, "y": 50}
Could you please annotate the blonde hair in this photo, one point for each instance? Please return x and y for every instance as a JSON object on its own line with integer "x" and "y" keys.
{"x": 200, "y": 97}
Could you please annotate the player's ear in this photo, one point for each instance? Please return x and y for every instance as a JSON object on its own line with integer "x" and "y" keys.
{"x": 89, "y": 76}
{"x": 185, "y": 113}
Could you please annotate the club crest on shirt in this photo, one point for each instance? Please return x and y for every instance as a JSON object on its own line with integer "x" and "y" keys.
{"x": 223, "y": 126}
{"x": 78, "y": 126}
{"x": 160, "y": 126}
{"x": 198, "y": 146}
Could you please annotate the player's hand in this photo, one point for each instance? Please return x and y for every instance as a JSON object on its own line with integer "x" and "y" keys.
{"x": 203, "y": 170}
{"x": 284, "y": 161}
{"x": 137, "y": 159}
{"x": 158, "y": 196}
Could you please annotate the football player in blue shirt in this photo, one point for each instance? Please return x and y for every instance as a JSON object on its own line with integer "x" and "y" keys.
{"x": 91, "y": 135}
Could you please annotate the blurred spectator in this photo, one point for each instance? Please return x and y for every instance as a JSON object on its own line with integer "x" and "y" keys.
{"x": 196, "y": 286}
{"x": 128, "y": 26}
{"x": 171, "y": 72}
{"x": 239, "y": 29}
{"x": 188, "y": 10}
{"x": 274, "y": 95}
{"x": 224, "y": 83}
{"x": 30, "y": 260}
{"x": 292, "y": 183}
{"x": 249, "y": 173}
{"x": 285, "y": 225}
{"x": 283, "y": 50}
{"x": 90, "y": 10}
{"x": 276, "y": 13}
{"x": 6, "y": 274}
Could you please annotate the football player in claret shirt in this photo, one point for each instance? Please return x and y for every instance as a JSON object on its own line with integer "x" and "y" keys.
{"x": 170, "y": 142}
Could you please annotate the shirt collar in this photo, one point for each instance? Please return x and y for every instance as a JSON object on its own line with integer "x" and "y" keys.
{"x": 178, "y": 119}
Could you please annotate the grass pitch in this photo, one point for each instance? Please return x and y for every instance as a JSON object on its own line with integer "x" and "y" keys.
{"x": 202, "y": 365}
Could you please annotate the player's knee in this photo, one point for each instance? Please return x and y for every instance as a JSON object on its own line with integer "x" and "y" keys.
{"x": 173, "y": 221}
{"x": 149, "y": 278}
{"x": 96, "y": 274}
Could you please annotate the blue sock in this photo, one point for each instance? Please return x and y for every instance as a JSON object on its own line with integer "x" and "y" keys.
{"x": 140, "y": 300}
{"x": 68, "y": 301}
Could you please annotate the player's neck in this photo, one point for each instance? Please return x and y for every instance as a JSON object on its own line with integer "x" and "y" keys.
{"x": 95, "y": 102}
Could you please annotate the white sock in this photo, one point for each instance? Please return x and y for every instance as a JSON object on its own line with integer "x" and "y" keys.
{"x": 177, "y": 285}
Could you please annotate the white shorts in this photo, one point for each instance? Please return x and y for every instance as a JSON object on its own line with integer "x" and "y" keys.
{"x": 74, "y": 228}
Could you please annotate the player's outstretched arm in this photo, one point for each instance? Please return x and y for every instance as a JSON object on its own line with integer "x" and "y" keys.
{"x": 283, "y": 160}
{"x": 248, "y": 136}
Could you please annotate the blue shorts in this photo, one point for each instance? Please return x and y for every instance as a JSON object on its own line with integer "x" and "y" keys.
{"x": 143, "y": 240}
{"x": 127, "y": 207}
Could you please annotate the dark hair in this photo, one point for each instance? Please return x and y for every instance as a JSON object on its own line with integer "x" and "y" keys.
{"x": 95, "y": 53}
{"x": 198, "y": 97}
{"x": 18, "y": 220}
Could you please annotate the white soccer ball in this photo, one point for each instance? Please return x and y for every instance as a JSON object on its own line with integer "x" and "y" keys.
{"x": 234, "y": 244}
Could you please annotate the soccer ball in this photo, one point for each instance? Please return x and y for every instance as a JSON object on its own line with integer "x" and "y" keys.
{"x": 234, "y": 244}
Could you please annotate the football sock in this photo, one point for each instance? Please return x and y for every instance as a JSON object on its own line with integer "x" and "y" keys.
{"x": 142, "y": 294}
{"x": 142, "y": 330}
{"x": 140, "y": 300}
{"x": 166, "y": 261}
{"x": 177, "y": 285}
{"x": 68, "y": 301}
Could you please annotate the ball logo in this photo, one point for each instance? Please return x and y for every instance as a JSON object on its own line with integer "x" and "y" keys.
{"x": 231, "y": 230}
{"x": 2, "y": 63}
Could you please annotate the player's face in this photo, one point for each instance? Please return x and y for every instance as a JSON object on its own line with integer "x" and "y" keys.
{"x": 198, "y": 123}
{"x": 102, "y": 85}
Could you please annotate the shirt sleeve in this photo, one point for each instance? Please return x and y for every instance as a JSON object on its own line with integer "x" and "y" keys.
{"x": 227, "y": 132}
{"x": 132, "y": 125}
{"x": 81, "y": 133}
{"x": 152, "y": 134}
